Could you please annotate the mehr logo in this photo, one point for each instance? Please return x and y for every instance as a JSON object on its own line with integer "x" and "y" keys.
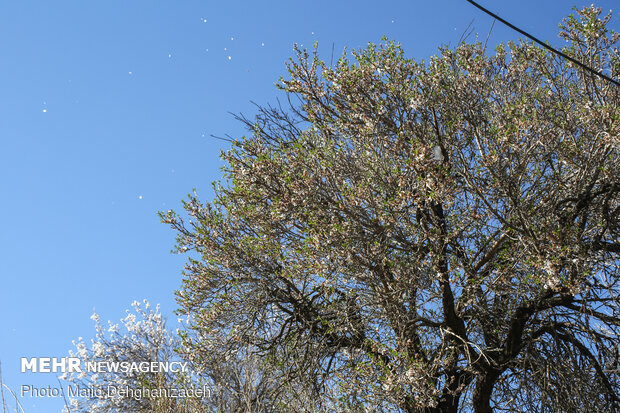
{"x": 50, "y": 364}
{"x": 73, "y": 364}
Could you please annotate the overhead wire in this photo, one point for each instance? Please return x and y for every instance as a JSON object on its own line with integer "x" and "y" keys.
{"x": 545, "y": 45}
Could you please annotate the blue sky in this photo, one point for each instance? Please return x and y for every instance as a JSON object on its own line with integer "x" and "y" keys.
{"x": 106, "y": 108}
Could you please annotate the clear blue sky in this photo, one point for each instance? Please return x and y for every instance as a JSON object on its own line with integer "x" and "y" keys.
{"x": 106, "y": 108}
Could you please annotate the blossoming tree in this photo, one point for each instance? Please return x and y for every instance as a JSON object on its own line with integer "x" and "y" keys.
{"x": 142, "y": 338}
{"x": 422, "y": 236}
{"x": 223, "y": 382}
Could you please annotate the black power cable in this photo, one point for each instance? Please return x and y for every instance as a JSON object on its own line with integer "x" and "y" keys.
{"x": 545, "y": 45}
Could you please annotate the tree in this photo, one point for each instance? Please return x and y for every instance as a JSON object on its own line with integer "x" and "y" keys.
{"x": 143, "y": 337}
{"x": 422, "y": 237}
{"x": 232, "y": 382}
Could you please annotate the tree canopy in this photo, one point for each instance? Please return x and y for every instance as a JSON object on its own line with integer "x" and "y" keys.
{"x": 420, "y": 236}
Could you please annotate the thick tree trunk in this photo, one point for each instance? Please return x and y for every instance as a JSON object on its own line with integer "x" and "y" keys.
{"x": 441, "y": 408}
{"x": 483, "y": 391}
{"x": 447, "y": 403}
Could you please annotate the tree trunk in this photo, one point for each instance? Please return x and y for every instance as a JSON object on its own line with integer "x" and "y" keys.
{"x": 447, "y": 403}
{"x": 483, "y": 391}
